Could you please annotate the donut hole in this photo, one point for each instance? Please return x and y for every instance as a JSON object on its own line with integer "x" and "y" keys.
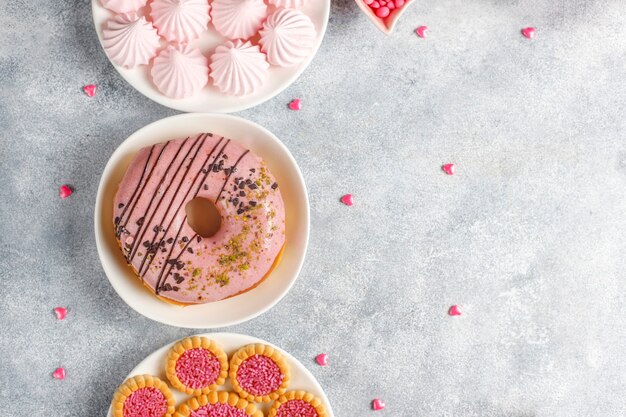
{"x": 203, "y": 216}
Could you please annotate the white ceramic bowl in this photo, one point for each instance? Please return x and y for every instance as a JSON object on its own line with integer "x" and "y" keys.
{"x": 210, "y": 99}
{"x": 232, "y": 310}
{"x": 301, "y": 377}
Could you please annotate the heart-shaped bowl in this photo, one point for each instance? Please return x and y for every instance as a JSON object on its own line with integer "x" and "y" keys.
{"x": 385, "y": 24}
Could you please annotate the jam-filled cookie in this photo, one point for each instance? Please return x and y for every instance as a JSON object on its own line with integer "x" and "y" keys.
{"x": 196, "y": 365}
{"x": 297, "y": 404}
{"x": 218, "y": 404}
{"x": 143, "y": 396}
{"x": 259, "y": 373}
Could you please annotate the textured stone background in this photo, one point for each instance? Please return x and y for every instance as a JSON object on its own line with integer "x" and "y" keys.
{"x": 529, "y": 236}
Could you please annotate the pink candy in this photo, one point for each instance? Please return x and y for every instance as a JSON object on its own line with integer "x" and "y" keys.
{"x": 382, "y": 12}
{"x": 378, "y": 404}
{"x": 322, "y": 359}
{"x": 422, "y": 31}
{"x": 295, "y": 104}
{"x": 90, "y": 90}
{"x": 59, "y": 373}
{"x": 65, "y": 191}
{"x": 347, "y": 200}
{"x": 454, "y": 311}
{"x": 529, "y": 32}
{"x": 449, "y": 169}
{"x": 383, "y": 8}
{"x": 60, "y": 312}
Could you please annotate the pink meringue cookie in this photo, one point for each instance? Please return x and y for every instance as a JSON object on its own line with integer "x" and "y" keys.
{"x": 123, "y": 6}
{"x": 238, "y": 19}
{"x": 238, "y": 68}
{"x": 130, "y": 40}
{"x": 287, "y": 37}
{"x": 180, "y": 20}
{"x": 287, "y": 4}
{"x": 180, "y": 71}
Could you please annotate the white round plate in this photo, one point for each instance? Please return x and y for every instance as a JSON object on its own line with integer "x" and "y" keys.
{"x": 232, "y": 310}
{"x": 301, "y": 378}
{"x": 210, "y": 99}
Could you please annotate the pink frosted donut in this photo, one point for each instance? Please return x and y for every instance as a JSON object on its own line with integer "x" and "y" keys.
{"x": 151, "y": 226}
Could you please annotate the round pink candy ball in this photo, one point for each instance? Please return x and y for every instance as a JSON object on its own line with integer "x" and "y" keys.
{"x": 382, "y": 12}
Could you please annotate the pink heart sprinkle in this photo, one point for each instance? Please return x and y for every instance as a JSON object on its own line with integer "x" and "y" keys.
{"x": 449, "y": 169}
{"x": 378, "y": 404}
{"x": 60, "y": 312}
{"x": 422, "y": 31}
{"x": 322, "y": 359}
{"x": 65, "y": 191}
{"x": 454, "y": 311}
{"x": 90, "y": 90}
{"x": 59, "y": 373}
{"x": 295, "y": 104}
{"x": 529, "y": 32}
{"x": 347, "y": 200}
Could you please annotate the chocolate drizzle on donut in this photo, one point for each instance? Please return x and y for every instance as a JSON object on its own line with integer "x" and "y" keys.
{"x": 152, "y": 228}
{"x": 133, "y": 202}
{"x": 162, "y": 277}
{"x": 181, "y": 206}
{"x": 141, "y": 232}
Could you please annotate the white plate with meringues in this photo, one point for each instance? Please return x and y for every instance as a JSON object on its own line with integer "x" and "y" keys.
{"x": 156, "y": 250}
{"x": 200, "y": 367}
{"x": 218, "y": 56}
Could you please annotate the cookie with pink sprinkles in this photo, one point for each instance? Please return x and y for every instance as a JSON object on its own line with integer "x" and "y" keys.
{"x": 297, "y": 404}
{"x": 218, "y": 404}
{"x": 143, "y": 396}
{"x": 259, "y": 373}
{"x": 196, "y": 365}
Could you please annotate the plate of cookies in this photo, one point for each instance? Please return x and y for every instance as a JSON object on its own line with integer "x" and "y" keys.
{"x": 202, "y": 220}
{"x": 218, "y": 56}
{"x": 220, "y": 375}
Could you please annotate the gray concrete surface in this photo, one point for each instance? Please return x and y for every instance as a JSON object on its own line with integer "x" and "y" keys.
{"x": 529, "y": 237}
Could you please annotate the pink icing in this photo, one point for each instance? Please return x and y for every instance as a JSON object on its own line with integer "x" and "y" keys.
{"x": 60, "y": 312}
{"x": 449, "y": 169}
{"x": 218, "y": 410}
{"x": 322, "y": 359}
{"x": 197, "y": 368}
{"x": 145, "y": 402}
{"x": 378, "y": 404}
{"x": 296, "y": 408}
{"x": 59, "y": 373}
{"x": 90, "y": 90}
{"x": 454, "y": 311}
{"x": 156, "y": 239}
{"x": 65, "y": 191}
{"x": 347, "y": 200}
{"x": 422, "y": 31}
{"x": 295, "y": 104}
{"x": 529, "y": 32}
{"x": 259, "y": 375}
